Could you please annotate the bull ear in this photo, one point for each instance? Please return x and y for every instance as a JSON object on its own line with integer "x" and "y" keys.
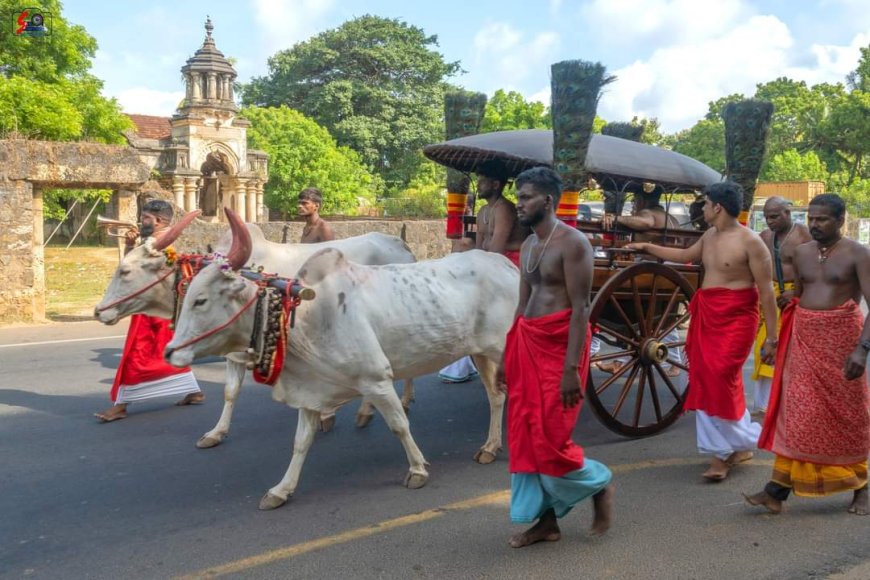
{"x": 165, "y": 240}
{"x": 240, "y": 252}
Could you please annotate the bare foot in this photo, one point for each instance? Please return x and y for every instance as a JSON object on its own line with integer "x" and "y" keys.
{"x": 860, "y": 505}
{"x": 738, "y": 457}
{"x": 610, "y": 366}
{"x": 718, "y": 470}
{"x": 763, "y": 498}
{"x": 114, "y": 413}
{"x": 546, "y": 530}
{"x": 674, "y": 371}
{"x": 602, "y": 504}
{"x": 192, "y": 399}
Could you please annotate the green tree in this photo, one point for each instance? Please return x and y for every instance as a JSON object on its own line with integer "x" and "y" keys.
{"x": 508, "y": 111}
{"x": 304, "y": 154}
{"x": 377, "y": 84}
{"x": 704, "y": 141}
{"x": 790, "y": 165}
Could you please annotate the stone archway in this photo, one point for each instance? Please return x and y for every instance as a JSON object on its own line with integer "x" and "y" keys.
{"x": 26, "y": 169}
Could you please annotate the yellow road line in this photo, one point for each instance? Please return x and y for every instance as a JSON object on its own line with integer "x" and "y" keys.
{"x": 495, "y": 498}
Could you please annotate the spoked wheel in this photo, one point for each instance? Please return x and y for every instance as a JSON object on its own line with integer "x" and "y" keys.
{"x": 639, "y": 315}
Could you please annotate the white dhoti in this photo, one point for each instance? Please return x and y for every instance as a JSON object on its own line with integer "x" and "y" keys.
{"x": 761, "y": 394}
{"x": 459, "y": 371}
{"x": 721, "y": 437}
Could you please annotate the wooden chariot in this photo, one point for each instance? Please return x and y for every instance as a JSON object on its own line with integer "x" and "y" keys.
{"x": 640, "y": 308}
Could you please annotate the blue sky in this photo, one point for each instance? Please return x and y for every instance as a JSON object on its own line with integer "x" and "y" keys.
{"x": 671, "y": 57}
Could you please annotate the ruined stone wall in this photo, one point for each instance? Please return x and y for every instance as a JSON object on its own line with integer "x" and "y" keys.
{"x": 17, "y": 263}
{"x": 425, "y": 237}
{"x": 27, "y": 166}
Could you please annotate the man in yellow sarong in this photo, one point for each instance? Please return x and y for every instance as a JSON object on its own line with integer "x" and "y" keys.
{"x": 782, "y": 237}
{"x": 818, "y": 420}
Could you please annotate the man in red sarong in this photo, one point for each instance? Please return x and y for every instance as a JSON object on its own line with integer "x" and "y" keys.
{"x": 498, "y": 229}
{"x": 544, "y": 369}
{"x": 818, "y": 419}
{"x": 724, "y": 319}
{"x": 143, "y": 374}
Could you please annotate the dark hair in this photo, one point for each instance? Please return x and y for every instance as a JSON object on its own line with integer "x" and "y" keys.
{"x": 728, "y": 194}
{"x": 543, "y": 180}
{"x": 494, "y": 169}
{"x": 312, "y": 194}
{"x": 160, "y": 208}
{"x": 833, "y": 202}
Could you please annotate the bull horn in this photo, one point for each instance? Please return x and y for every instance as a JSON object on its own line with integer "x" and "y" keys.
{"x": 165, "y": 240}
{"x": 240, "y": 251}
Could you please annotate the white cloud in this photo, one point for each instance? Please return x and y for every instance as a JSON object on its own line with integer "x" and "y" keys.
{"x": 144, "y": 101}
{"x": 509, "y": 56}
{"x": 702, "y": 51}
{"x": 282, "y": 23}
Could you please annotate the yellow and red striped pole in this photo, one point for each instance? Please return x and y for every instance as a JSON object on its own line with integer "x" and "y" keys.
{"x": 569, "y": 205}
{"x": 455, "y": 210}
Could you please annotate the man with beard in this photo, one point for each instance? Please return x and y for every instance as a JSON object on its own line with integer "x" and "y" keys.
{"x": 142, "y": 373}
{"x": 818, "y": 419}
{"x": 497, "y": 227}
{"x": 544, "y": 370}
{"x": 724, "y": 320}
{"x": 316, "y": 229}
{"x": 782, "y": 238}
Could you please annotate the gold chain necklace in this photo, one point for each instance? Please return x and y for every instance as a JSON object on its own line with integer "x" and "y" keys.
{"x": 825, "y": 253}
{"x": 543, "y": 251}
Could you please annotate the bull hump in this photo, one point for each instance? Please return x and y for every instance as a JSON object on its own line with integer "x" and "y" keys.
{"x": 321, "y": 264}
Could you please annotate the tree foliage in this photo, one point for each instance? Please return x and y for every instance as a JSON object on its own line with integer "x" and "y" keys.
{"x": 46, "y": 91}
{"x": 508, "y": 111}
{"x": 376, "y": 84}
{"x": 303, "y": 154}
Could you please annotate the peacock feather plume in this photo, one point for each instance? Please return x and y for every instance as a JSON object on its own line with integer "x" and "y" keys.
{"x": 463, "y": 113}
{"x": 576, "y": 88}
{"x": 747, "y": 124}
{"x": 627, "y": 131}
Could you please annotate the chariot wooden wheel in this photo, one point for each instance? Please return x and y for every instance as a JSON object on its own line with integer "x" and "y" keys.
{"x": 640, "y": 315}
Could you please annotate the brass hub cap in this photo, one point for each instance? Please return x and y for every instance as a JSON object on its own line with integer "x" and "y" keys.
{"x": 653, "y": 351}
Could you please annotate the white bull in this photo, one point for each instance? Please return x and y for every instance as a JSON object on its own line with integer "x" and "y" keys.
{"x": 366, "y": 327}
{"x": 144, "y": 283}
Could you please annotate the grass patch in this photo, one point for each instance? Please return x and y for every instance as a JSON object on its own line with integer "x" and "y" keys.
{"x": 76, "y": 279}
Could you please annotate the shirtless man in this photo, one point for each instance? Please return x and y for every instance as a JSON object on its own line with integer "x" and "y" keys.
{"x": 818, "y": 424}
{"x": 498, "y": 229}
{"x": 724, "y": 320}
{"x": 316, "y": 229}
{"x": 544, "y": 369}
{"x": 647, "y": 214}
{"x": 782, "y": 238}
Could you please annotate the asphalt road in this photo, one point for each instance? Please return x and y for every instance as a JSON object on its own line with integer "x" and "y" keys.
{"x": 136, "y": 499}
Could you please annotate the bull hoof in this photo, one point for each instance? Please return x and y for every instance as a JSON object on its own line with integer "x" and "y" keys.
{"x": 270, "y": 502}
{"x": 207, "y": 442}
{"x": 327, "y": 424}
{"x": 363, "y": 420}
{"x": 415, "y": 480}
{"x": 484, "y": 457}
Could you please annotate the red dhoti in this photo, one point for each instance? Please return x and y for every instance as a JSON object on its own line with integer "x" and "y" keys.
{"x": 143, "y": 374}
{"x": 818, "y": 423}
{"x": 513, "y": 256}
{"x": 539, "y": 427}
{"x": 720, "y": 338}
